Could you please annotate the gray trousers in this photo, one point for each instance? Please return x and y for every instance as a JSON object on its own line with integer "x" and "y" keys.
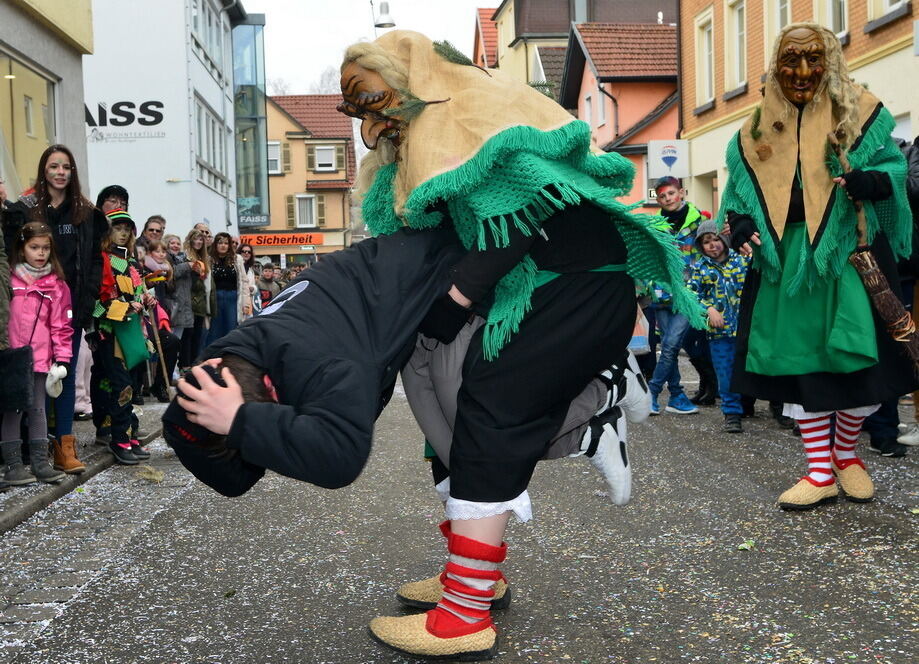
{"x": 432, "y": 378}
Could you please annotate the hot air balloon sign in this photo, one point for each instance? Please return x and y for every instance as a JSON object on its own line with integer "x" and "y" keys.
{"x": 668, "y": 158}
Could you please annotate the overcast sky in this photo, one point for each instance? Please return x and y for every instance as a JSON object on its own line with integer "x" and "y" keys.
{"x": 304, "y": 37}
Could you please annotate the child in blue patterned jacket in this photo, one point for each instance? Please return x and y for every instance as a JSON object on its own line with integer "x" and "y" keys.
{"x": 718, "y": 278}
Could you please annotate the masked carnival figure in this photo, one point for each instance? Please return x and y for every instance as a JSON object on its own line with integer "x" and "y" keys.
{"x": 550, "y": 265}
{"x": 814, "y": 158}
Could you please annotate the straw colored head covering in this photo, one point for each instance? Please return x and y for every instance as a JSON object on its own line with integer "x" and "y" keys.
{"x": 500, "y": 155}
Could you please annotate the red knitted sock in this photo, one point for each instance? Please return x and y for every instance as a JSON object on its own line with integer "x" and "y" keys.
{"x": 815, "y": 432}
{"x": 469, "y": 579}
{"x": 847, "y": 429}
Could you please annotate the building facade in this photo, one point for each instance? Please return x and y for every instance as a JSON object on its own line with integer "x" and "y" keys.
{"x": 42, "y": 44}
{"x": 311, "y": 168}
{"x": 621, "y": 79}
{"x": 160, "y": 108}
{"x": 725, "y": 51}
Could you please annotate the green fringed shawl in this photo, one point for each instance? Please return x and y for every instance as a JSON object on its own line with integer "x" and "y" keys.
{"x": 520, "y": 177}
{"x": 837, "y": 240}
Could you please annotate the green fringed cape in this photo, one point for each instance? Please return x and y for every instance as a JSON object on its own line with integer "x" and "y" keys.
{"x": 520, "y": 177}
{"x": 827, "y": 252}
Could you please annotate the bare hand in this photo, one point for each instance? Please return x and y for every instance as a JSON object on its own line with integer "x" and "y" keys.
{"x": 149, "y": 299}
{"x": 136, "y": 307}
{"x": 715, "y": 318}
{"x": 212, "y": 407}
{"x": 459, "y": 298}
{"x": 746, "y": 249}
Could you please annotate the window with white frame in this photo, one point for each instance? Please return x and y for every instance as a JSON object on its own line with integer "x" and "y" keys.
{"x": 837, "y": 18}
{"x": 601, "y": 109}
{"x": 306, "y": 211}
{"x": 735, "y": 43}
{"x": 325, "y": 158}
{"x": 274, "y": 158}
{"x": 705, "y": 57}
{"x": 30, "y": 120}
{"x": 777, "y": 14}
{"x": 588, "y": 103}
{"x": 211, "y": 35}
{"x": 783, "y": 13}
{"x": 211, "y": 148}
{"x": 879, "y": 8}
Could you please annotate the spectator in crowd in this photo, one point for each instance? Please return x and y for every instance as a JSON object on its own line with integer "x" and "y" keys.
{"x": 183, "y": 278}
{"x": 78, "y": 228}
{"x": 118, "y": 340}
{"x": 717, "y": 278}
{"x": 159, "y": 276}
{"x": 248, "y": 255}
{"x": 196, "y": 253}
{"x": 230, "y": 301}
{"x": 683, "y": 219}
{"x": 153, "y": 231}
{"x": 267, "y": 287}
{"x": 40, "y": 318}
{"x": 205, "y": 230}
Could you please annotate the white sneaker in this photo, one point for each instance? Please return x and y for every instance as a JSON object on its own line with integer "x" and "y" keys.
{"x": 910, "y": 436}
{"x": 635, "y": 397}
{"x": 903, "y": 428}
{"x": 606, "y": 435}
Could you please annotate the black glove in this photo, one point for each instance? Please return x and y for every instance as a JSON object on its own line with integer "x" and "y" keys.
{"x": 444, "y": 320}
{"x": 742, "y": 229}
{"x": 867, "y": 185}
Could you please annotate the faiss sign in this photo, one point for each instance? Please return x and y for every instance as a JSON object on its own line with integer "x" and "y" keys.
{"x": 125, "y": 113}
{"x": 281, "y": 239}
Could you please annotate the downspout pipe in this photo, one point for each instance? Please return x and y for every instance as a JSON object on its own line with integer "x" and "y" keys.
{"x": 679, "y": 67}
{"x": 615, "y": 109}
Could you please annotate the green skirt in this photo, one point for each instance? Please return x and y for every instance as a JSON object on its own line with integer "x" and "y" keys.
{"x": 827, "y": 326}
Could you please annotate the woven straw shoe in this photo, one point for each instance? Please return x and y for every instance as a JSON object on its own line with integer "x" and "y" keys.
{"x": 409, "y": 635}
{"x": 854, "y": 480}
{"x": 425, "y": 594}
{"x": 806, "y": 496}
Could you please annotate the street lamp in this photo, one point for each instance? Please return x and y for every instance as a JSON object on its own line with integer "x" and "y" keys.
{"x": 384, "y": 20}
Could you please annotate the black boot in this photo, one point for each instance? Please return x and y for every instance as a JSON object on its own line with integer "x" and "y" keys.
{"x": 776, "y": 407}
{"x": 43, "y": 471}
{"x": 16, "y": 472}
{"x": 708, "y": 381}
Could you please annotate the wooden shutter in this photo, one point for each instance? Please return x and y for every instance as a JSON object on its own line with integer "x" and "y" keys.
{"x": 291, "y": 211}
{"x": 285, "y": 157}
{"x": 310, "y": 158}
{"x": 339, "y": 157}
{"x": 320, "y": 210}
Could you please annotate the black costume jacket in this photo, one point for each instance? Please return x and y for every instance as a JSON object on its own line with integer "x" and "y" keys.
{"x": 332, "y": 344}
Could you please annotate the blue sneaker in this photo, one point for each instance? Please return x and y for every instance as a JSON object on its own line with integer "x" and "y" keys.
{"x": 681, "y": 405}
{"x": 655, "y": 408}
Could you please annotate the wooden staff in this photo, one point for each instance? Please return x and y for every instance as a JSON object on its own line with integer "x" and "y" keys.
{"x": 890, "y": 308}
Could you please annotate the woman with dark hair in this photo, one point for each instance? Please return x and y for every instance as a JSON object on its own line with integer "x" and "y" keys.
{"x": 230, "y": 299}
{"x": 78, "y": 228}
{"x": 248, "y": 255}
{"x": 196, "y": 254}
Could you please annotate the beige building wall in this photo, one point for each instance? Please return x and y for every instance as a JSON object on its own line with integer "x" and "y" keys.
{"x": 879, "y": 55}
{"x": 287, "y": 188}
{"x": 71, "y": 20}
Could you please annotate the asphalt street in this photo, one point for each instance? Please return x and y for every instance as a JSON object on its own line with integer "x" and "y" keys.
{"x": 147, "y": 565}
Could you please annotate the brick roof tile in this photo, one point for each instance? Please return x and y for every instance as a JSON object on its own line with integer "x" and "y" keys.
{"x": 489, "y": 31}
{"x": 317, "y": 113}
{"x": 630, "y": 49}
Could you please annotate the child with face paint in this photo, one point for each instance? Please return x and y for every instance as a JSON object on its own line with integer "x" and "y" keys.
{"x": 718, "y": 278}
{"x": 119, "y": 344}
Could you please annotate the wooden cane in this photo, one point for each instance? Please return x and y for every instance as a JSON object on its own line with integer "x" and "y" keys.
{"x": 890, "y": 308}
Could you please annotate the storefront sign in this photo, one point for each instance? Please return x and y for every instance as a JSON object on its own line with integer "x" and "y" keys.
{"x": 253, "y": 220}
{"x": 282, "y": 239}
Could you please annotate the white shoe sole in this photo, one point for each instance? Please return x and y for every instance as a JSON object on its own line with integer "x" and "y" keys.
{"x": 670, "y": 409}
{"x": 612, "y": 460}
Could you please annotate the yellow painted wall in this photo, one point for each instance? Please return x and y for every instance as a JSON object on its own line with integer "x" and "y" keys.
{"x": 25, "y": 148}
{"x": 72, "y": 20}
{"x": 337, "y": 213}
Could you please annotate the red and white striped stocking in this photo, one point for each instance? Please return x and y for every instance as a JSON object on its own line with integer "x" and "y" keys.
{"x": 815, "y": 432}
{"x": 848, "y": 427}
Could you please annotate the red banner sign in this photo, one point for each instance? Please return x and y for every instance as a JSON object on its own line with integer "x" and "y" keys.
{"x": 281, "y": 239}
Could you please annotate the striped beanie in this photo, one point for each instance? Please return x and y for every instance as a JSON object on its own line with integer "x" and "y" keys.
{"x": 119, "y": 216}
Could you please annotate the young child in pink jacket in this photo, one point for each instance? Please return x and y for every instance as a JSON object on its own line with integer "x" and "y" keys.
{"x": 39, "y": 317}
